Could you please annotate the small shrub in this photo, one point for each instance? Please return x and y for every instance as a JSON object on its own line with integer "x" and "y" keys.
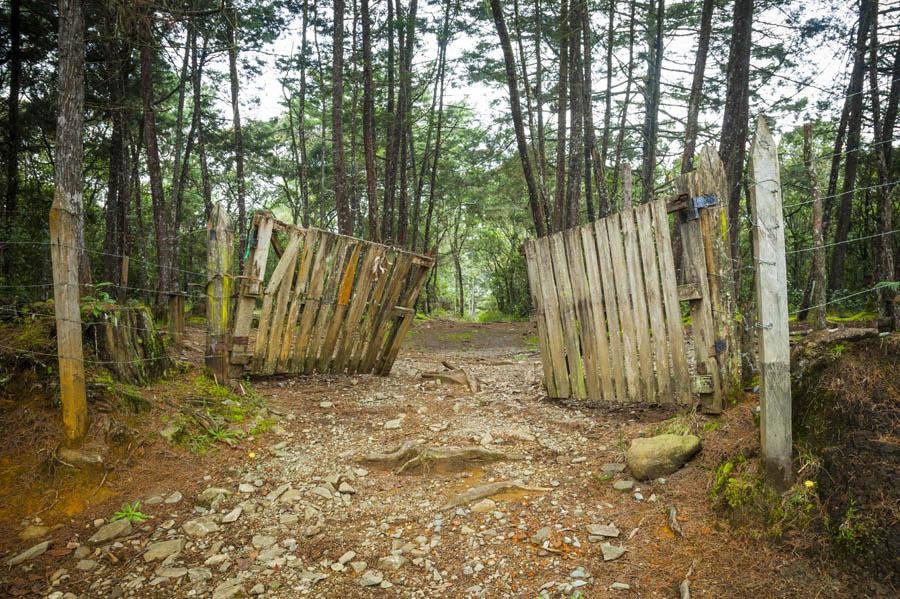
{"x": 131, "y": 512}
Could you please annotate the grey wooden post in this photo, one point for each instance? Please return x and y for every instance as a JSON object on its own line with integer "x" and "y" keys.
{"x": 772, "y": 307}
{"x": 219, "y": 289}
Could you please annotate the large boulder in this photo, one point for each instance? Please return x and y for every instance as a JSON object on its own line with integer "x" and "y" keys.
{"x": 661, "y": 455}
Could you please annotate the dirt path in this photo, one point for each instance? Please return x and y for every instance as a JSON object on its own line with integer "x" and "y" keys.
{"x": 302, "y": 516}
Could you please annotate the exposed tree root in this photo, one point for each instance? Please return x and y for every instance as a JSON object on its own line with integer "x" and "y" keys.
{"x": 412, "y": 455}
{"x": 454, "y": 375}
{"x": 480, "y": 492}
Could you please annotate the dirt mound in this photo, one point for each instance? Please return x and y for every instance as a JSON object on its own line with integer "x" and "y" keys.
{"x": 847, "y": 423}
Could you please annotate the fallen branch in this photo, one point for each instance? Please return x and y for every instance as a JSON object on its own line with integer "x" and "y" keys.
{"x": 480, "y": 492}
{"x": 454, "y": 375}
{"x": 684, "y": 589}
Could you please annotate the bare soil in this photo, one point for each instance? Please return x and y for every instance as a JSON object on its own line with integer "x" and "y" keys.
{"x": 326, "y": 422}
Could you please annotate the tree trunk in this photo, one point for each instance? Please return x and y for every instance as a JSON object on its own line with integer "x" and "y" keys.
{"x": 115, "y": 242}
{"x": 624, "y": 116}
{"x": 818, "y": 258}
{"x": 304, "y": 164}
{"x": 888, "y": 305}
{"x": 576, "y": 97}
{"x": 607, "y": 96}
{"x": 197, "y": 63}
{"x": 732, "y": 148}
{"x": 369, "y": 123}
{"x": 537, "y": 211}
{"x": 231, "y": 26}
{"x": 539, "y": 101}
{"x": 851, "y": 159}
{"x": 161, "y": 211}
{"x": 345, "y": 220}
{"x": 593, "y": 164}
{"x": 696, "y": 95}
{"x": 69, "y": 177}
{"x": 561, "y": 105}
{"x": 390, "y": 153}
{"x": 14, "y": 128}
{"x": 651, "y": 101}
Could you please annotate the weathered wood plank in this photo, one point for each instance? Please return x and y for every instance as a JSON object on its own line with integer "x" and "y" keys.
{"x": 694, "y": 267}
{"x": 219, "y": 283}
{"x": 569, "y": 317}
{"x": 254, "y": 271}
{"x": 386, "y": 314}
{"x": 772, "y": 308}
{"x": 654, "y": 301}
{"x": 688, "y": 291}
{"x": 554, "y": 322}
{"x": 282, "y": 298}
{"x": 336, "y": 262}
{"x": 674, "y": 325}
{"x": 408, "y": 308}
{"x": 313, "y": 299}
{"x": 361, "y": 291}
{"x": 639, "y": 306}
{"x": 626, "y": 311}
{"x": 596, "y": 293}
{"x": 610, "y": 301}
{"x": 383, "y": 272}
{"x": 581, "y": 295}
{"x": 263, "y": 338}
{"x": 297, "y": 297}
{"x": 539, "y": 317}
{"x": 340, "y": 309}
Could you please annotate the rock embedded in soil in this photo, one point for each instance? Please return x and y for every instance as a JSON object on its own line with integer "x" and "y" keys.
{"x": 393, "y": 424}
{"x": 28, "y": 554}
{"x": 602, "y": 530}
{"x": 484, "y": 506}
{"x": 652, "y": 457}
{"x": 163, "y": 549}
{"x": 209, "y": 495}
{"x": 199, "y": 527}
{"x": 113, "y": 530}
{"x": 623, "y": 485}
{"x": 611, "y": 552}
{"x": 371, "y": 578}
{"x": 612, "y": 468}
{"x": 391, "y": 562}
{"x": 174, "y": 498}
{"x": 262, "y": 541}
{"x": 233, "y": 515}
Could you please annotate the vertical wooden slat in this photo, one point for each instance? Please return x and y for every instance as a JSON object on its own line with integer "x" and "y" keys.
{"x": 313, "y": 299}
{"x": 276, "y": 328}
{"x": 263, "y": 338}
{"x": 674, "y": 325}
{"x": 337, "y": 260}
{"x": 610, "y": 301}
{"x": 361, "y": 291}
{"x": 340, "y": 309}
{"x": 596, "y": 293}
{"x": 569, "y": 317}
{"x": 694, "y": 267}
{"x": 660, "y": 343}
{"x": 384, "y": 273}
{"x": 254, "y": 271}
{"x": 626, "y": 312}
{"x": 639, "y": 306}
{"x": 581, "y": 297}
{"x": 554, "y": 321}
{"x": 540, "y": 318}
{"x": 297, "y": 297}
{"x": 408, "y": 301}
{"x": 387, "y": 313}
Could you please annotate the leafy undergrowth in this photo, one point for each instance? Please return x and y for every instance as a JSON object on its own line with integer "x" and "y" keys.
{"x": 845, "y": 501}
{"x": 207, "y": 413}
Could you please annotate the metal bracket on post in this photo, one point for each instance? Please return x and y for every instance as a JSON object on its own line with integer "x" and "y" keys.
{"x": 704, "y": 201}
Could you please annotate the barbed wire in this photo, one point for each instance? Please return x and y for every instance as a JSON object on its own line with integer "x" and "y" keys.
{"x": 835, "y": 300}
{"x": 828, "y": 245}
{"x": 839, "y": 194}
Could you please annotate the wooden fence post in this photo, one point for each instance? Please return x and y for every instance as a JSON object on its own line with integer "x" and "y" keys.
{"x": 176, "y": 317}
{"x": 219, "y": 287}
{"x": 772, "y": 307}
{"x": 64, "y": 255}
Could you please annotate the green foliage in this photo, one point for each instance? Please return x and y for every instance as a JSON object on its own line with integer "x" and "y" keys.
{"x": 856, "y": 530}
{"x": 733, "y": 489}
{"x": 131, "y": 512}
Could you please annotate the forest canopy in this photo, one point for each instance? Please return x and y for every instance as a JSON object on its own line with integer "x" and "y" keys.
{"x": 462, "y": 127}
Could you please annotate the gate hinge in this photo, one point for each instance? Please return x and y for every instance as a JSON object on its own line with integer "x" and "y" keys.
{"x": 704, "y": 201}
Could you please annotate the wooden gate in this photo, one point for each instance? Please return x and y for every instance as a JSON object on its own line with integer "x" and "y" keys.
{"x": 331, "y": 303}
{"x": 607, "y": 303}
